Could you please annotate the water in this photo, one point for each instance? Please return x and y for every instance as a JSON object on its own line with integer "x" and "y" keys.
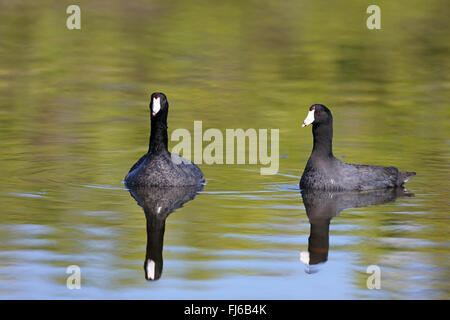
{"x": 74, "y": 118}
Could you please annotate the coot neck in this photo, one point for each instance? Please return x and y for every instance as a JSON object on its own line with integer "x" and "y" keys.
{"x": 158, "y": 134}
{"x": 323, "y": 140}
{"x": 318, "y": 241}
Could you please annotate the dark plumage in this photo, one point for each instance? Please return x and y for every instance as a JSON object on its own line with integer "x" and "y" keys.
{"x": 324, "y": 172}
{"x": 159, "y": 167}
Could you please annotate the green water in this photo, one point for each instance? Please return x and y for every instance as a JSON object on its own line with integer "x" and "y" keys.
{"x": 74, "y": 118}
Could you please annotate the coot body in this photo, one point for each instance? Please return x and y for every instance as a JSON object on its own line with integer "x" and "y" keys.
{"x": 159, "y": 167}
{"x": 325, "y": 172}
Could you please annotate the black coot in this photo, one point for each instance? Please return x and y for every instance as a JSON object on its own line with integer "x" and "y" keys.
{"x": 158, "y": 167}
{"x": 324, "y": 172}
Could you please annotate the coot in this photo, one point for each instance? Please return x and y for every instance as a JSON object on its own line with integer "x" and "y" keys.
{"x": 324, "y": 172}
{"x": 159, "y": 167}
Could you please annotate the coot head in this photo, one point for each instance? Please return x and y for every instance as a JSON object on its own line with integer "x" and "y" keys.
{"x": 158, "y": 103}
{"x": 318, "y": 114}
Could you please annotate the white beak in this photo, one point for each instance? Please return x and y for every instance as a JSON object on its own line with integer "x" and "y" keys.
{"x": 304, "y": 257}
{"x": 309, "y": 119}
{"x": 156, "y": 106}
{"x": 151, "y": 269}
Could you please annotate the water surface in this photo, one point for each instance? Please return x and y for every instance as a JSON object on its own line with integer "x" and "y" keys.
{"x": 74, "y": 118}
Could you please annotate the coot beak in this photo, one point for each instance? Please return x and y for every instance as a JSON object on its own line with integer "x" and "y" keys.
{"x": 150, "y": 269}
{"x": 304, "y": 257}
{"x": 156, "y": 105}
{"x": 309, "y": 119}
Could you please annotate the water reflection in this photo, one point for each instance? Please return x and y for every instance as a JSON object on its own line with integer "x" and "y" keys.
{"x": 158, "y": 203}
{"x": 321, "y": 207}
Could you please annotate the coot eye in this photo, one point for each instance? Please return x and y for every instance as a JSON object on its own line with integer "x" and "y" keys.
{"x": 319, "y": 112}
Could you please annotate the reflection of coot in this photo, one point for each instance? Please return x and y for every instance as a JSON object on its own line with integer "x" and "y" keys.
{"x": 158, "y": 203}
{"x": 322, "y": 206}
